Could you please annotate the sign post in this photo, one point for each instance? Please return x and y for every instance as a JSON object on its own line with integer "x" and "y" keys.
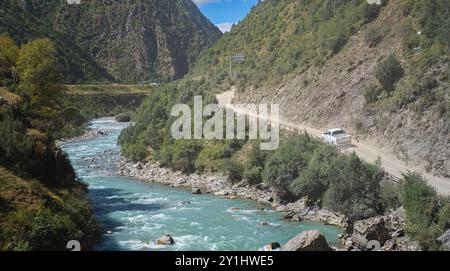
{"x": 239, "y": 58}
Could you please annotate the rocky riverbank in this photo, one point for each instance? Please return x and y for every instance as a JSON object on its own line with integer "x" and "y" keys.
{"x": 88, "y": 134}
{"x": 220, "y": 185}
{"x": 379, "y": 233}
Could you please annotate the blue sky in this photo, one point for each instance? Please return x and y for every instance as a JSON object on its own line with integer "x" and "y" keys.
{"x": 224, "y": 13}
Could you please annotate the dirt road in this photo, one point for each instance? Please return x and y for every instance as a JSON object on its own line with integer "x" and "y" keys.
{"x": 365, "y": 150}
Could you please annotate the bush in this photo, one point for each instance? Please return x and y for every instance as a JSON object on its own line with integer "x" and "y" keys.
{"x": 427, "y": 214}
{"x": 388, "y": 72}
{"x": 370, "y": 11}
{"x": 313, "y": 181}
{"x": 234, "y": 169}
{"x": 185, "y": 152}
{"x": 354, "y": 188}
{"x": 371, "y": 94}
{"x": 390, "y": 195}
{"x": 288, "y": 161}
{"x": 253, "y": 175}
{"x": 373, "y": 36}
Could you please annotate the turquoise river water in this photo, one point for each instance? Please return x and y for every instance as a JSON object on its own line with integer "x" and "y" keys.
{"x": 134, "y": 214}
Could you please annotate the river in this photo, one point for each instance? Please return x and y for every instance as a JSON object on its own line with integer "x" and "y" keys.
{"x": 134, "y": 214}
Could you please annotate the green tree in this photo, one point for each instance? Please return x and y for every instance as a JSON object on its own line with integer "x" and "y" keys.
{"x": 40, "y": 78}
{"x": 8, "y": 57}
{"x": 354, "y": 188}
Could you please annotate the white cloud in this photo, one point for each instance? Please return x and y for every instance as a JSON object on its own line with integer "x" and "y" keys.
{"x": 204, "y": 2}
{"x": 225, "y": 27}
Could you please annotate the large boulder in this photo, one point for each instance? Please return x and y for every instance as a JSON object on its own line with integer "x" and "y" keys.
{"x": 401, "y": 244}
{"x": 372, "y": 229}
{"x": 307, "y": 241}
{"x": 326, "y": 217}
{"x": 124, "y": 117}
{"x": 165, "y": 240}
{"x": 395, "y": 219}
{"x": 445, "y": 240}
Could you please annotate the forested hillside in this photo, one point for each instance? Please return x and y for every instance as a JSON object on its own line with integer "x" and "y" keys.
{"x": 23, "y": 26}
{"x": 125, "y": 41}
{"x": 381, "y": 72}
{"x": 42, "y": 204}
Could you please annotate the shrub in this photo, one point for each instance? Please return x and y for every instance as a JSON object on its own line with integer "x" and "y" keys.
{"x": 388, "y": 72}
{"x": 288, "y": 161}
{"x": 426, "y": 219}
{"x": 313, "y": 181}
{"x": 354, "y": 188}
{"x": 253, "y": 175}
{"x": 374, "y": 36}
{"x": 234, "y": 169}
{"x": 390, "y": 195}
{"x": 370, "y": 12}
{"x": 371, "y": 94}
{"x": 185, "y": 153}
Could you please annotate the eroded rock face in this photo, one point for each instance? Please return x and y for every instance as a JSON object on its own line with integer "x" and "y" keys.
{"x": 307, "y": 241}
{"x": 445, "y": 240}
{"x": 372, "y": 229}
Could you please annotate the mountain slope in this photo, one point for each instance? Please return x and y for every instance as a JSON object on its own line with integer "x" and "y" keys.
{"x": 324, "y": 64}
{"x": 130, "y": 40}
{"x": 23, "y": 26}
{"x": 135, "y": 40}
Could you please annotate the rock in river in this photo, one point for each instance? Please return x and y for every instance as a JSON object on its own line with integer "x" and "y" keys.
{"x": 271, "y": 247}
{"x": 165, "y": 240}
{"x": 196, "y": 191}
{"x": 307, "y": 241}
{"x": 221, "y": 193}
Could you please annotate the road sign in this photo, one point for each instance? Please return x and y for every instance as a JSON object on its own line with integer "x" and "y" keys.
{"x": 238, "y": 58}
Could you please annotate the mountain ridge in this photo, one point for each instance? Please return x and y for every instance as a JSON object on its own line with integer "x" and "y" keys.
{"x": 119, "y": 41}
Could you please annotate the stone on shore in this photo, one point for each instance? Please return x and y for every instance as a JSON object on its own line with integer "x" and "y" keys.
{"x": 275, "y": 246}
{"x": 372, "y": 229}
{"x": 165, "y": 240}
{"x": 307, "y": 241}
{"x": 445, "y": 240}
{"x": 221, "y": 193}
